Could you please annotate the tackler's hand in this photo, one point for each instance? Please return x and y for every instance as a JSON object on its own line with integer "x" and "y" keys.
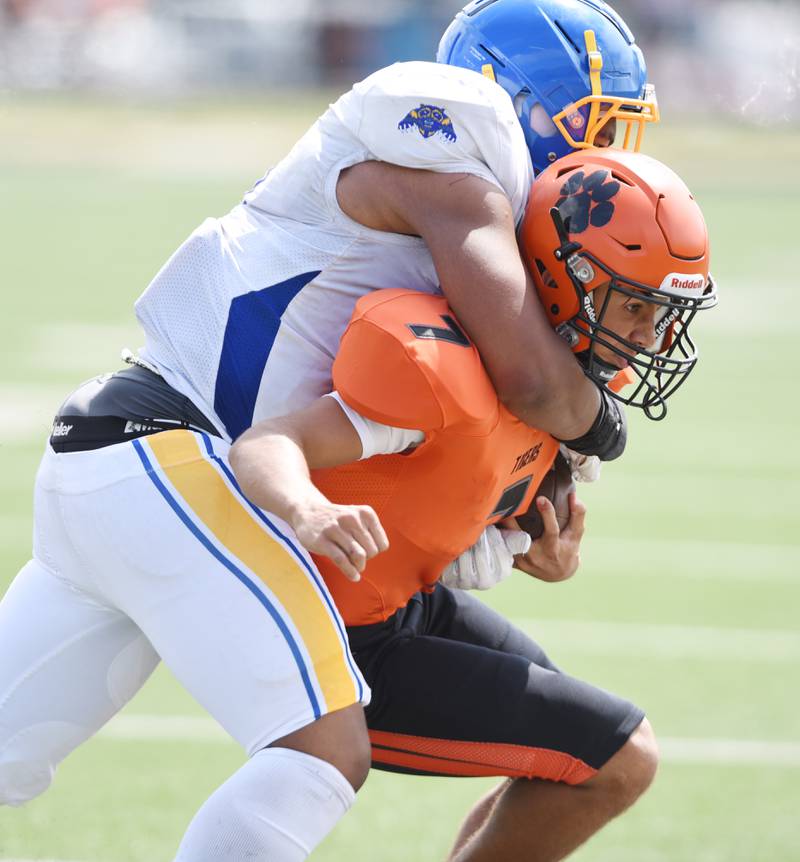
{"x": 348, "y": 535}
{"x": 555, "y": 556}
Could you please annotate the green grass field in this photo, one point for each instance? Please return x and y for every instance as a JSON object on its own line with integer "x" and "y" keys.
{"x": 689, "y": 595}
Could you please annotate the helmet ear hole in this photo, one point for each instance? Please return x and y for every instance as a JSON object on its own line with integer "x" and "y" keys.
{"x": 519, "y": 101}
{"x": 541, "y": 123}
{"x": 546, "y": 277}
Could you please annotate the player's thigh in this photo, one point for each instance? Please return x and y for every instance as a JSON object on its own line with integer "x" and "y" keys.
{"x": 230, "y": 601}
{"x": 446, "y": 706}
{"x": 67, "y": 665}
{"x": 460, "y": 615}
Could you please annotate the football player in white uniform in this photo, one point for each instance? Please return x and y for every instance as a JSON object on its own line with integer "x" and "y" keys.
{"x": 145, "y": 548}
{"x": 416, "y": 177}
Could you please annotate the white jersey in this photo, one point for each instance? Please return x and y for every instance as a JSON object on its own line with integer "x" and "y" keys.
{"x": 246, "y": 316}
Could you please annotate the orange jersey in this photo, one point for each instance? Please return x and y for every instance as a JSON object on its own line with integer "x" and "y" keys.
{"x": 404, "y": 361}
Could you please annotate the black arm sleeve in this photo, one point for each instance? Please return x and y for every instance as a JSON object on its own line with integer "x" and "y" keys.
{"x": 609, "y": 432}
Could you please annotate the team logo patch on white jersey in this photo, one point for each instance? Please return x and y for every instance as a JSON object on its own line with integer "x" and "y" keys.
{"x": 428, "y": 119}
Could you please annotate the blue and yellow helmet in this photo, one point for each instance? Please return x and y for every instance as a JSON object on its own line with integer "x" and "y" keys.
{"x": 571, "y": 68}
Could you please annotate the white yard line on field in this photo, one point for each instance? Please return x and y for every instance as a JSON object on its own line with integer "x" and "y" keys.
{"x": 696, "y": 559}
{"x": 26, "y": 412}
{"x": 740, "y": 752}
{"x": 656, "y": 641}
{"x": 174, "y": 728}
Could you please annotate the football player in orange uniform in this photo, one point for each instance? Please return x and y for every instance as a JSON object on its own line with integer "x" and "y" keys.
{"x": 416, "y": 436}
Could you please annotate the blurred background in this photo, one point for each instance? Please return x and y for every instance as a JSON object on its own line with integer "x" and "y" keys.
{"x": 124, "y": 123}
{"x": 734, "y": 57}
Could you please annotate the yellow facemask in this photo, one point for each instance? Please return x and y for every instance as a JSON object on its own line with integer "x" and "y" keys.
{"x": 634, "y": 113}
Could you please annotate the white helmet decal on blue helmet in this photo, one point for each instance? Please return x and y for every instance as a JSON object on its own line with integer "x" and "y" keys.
{"x": 571, "y": 68}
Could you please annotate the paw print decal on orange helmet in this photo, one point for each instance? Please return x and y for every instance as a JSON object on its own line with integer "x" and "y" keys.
{"x": 606, "y": 229}
{"x": 587, "y": 200}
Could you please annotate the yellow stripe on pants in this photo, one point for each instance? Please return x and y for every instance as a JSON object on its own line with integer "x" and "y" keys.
{"x": 224, "y": 514}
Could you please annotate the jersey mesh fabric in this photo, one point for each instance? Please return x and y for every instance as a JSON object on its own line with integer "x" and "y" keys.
{"x": 457, "y": 757}
{"x": 377, "y": 484}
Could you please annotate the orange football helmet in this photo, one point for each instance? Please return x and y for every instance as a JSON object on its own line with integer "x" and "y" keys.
{"x": 621, "y": 220}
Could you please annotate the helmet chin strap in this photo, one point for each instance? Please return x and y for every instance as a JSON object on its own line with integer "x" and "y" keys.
{"x": 568, "y": 247}
{"x": 580, "y": 272}
{"x": 598, "y": 369}
{"x": 578, "y": 268}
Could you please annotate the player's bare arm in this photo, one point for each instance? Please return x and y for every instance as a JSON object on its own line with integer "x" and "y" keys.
{"x": 468, "y": 226}
{"x": 271, "y": 461}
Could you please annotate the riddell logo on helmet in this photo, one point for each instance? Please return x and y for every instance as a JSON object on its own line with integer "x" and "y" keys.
{"x": 685, "y": 283}
{"x": 588, "y": 307}
{"x": 680, "y": 282}
{"x": 665, "y": 324}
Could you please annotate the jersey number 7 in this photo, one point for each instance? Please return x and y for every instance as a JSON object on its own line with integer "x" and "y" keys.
{"x": 451, "y": 332}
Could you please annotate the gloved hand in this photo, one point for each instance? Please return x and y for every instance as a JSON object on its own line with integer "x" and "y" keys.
{"x": 585, "y": 468}
{"x": 489, "y": 561}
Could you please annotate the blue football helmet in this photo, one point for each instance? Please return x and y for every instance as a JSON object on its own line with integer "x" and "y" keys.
{"x": 571, "y": 68}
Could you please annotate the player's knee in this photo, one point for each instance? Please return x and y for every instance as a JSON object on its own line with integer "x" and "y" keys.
{"x": 354, "y": 760}
{"x": 632, "y": 769}
{"x": 644, "y": 758}
{"x": 22, "y": 779}
{"x": 339, "y": 738}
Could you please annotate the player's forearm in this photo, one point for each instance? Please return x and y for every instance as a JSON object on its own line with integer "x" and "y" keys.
{"x": 272, "y": 470}
{"x": 272, "y": 462}
{"x": 272, "y": 459}
{"x": 533, "y": 370}
{"x": 549, "y": 392}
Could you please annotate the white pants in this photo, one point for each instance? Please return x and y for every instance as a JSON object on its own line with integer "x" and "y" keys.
{"x": 148, "y": 550}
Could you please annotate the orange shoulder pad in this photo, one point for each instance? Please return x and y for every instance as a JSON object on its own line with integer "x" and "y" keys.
{"x": 405, "y": 361}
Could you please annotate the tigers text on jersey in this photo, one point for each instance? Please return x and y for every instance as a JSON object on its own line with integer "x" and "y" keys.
{"x": 245, "y": 318}
{"x": 405, "y": 362}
